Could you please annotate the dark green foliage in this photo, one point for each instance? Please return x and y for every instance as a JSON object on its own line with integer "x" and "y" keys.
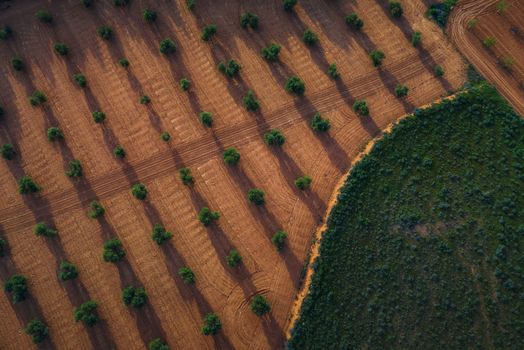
{"x": 187, "y": 275}
{"x": 7, "y": 151}
{"x": 279, "y": 240}
{"x": 354, "y": 21}
{"x": 158, "y": 344}
{"x": 440, "y": 11}
{"x": 54, "y": 134}
{"x": 75, "y": 169}
{"x": 260, "y": 306}
{"x": 185, "y": 176}
{"x": 119, "y": 152}
{"x": 401, "y": 90}
{"x": 149, "y": 15}
{"x": 37, "y": 330}
{"x": 17, "y": 63}
{"x": 274, "y": 138}
{"x": 207, "y": 217}
{"x": 144, "y": 100}
{"x": 439, "y": 71}
{"x": 233, "y": 259}
{"x": 248, "y": 19}
{"x": 80, "y": 79}
{"x": 376, "y": 57}
{"x": 61, "y": 49}
{"x": 68, "y": 271}
{"x": 416, "y": 38}
{"x": 139, "y": 191}
{"x": 303, "y": 182}
{"x": 229, "y": 68}
{"x": 361, "y": 108}
{"x": 3, "y": 247}
{"x": 250, "y": 102}
{"x": 332, "y": 71}
{"x": 26, "y": 185}
{"x": 44, "y": 16}
{"x": 17, "y": 286}
{"x": 208, "y": 32}
{"x": 113, "y": 251}
{"x": 37, "y": 98}
{"x": 5, "y": 33}
{"x": 309, "y": 37}
{"x": 123, "y": 62}
{"x": 289, "y": 4}
{"x": 87, "y": 3}
{"x": 256, "y": 196}
{"x": 135, "y": 297}
{"x": 295, "y": 86}
{"x": 320, "y": 124}
{"x": 206, "y": 119}
{"x": 395, "y": 9}
{"x": 427, "y": 229}
{"x": 87, "y": 313}
{"x": 165, "y": 136}
{"x": 212, "y": 324}
{"x": 41, "y": 229}
{"x": 160, "y": 235}
{"x": 167, "y": 46}
{"x": 121, "y": 3}
{"x": 97, "y": 210}
{"x": 185, "y": 84}
{"x": 231, "y": 156}
{"x": 190, "y": 4}
{"x": 105, "y": 32}
{"x": 270, "y": 53}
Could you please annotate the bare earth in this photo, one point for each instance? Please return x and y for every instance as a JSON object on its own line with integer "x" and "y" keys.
{"x": 175, "y": 310}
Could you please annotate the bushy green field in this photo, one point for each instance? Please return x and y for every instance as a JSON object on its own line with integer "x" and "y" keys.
{"x": 425, "y": 248}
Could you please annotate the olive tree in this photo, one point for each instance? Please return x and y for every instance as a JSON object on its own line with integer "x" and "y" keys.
{"x": 105, "y": 32}
{"x": 206, "y": 216}
{"x": 37, "y": 98}
{"x": 256, "y": 196}
{"x": 320, "y": 124}
{"x": 134, "y": 296}
{"x": 212, "y": 324}
{"x": 157, "y": 344}
{"x": 260, "y": 306}
{"x": 303, "y": 182}
{"x": 233, "y": 259}
{"x": 333, "y": 71}
{"x": 361, "y": 108}
{"x": 295, "y": 86}
{"x": 96, "y": 210}
{"x": 229, "y": 68}
{"x": 395, "y": 9}
{"x": 41, "y": 229}
{"x": 187, "y": 275}
{"x": 44, "y": 16}
{"x": 54, "y": 134}
{"x": 160, "y": 235}
{"x": 121, "y": 3}
{"x": 113, "y": 251}
{"x": 26, "y": 185}
{"x": 7, "y": 151}
{"x": 185, "y": 176}
{"x": 190, "y": 4}
{"x": 61, "y": 49}
{"x": 37, "y": 330}
{"x": 75, "y": 169}
{"x": 279, "y": 239}
{"x": 5, "y": 33}
{"x": 167, "y": 46}
{"x": 185, "y": 84}
{"x": 401, "y": 90}
{"x": 270, "y": 52}
{"x": 123, "y": 62}
{"x": 439, "y": 71}
{"x": 144, "y": 100}
{"x": 149, "y": 15}
{"x": 16, "y": 285}
{"x": 87, "y": 3}
{"x": 376, "y": 57}
{"x": 17, "y": 63}
{"x": 208, "y": 32}
{"x": 416, "y": 38}
{"x": 3, "y": 247}
{"x": 98, "y": 116}
{"x": 86, "y": 313}
{"x": 248, "y": 19}
{"x": 206, "y": 118}
{"x": 68, "y": 271}
{"x": 289, "y": 4}
{"x": 309, "y": 37}
{"x": 165, "y": 136}
{"x": 354, "y": 21}
{"x": 231, "y": 156}
{"x": 274, "y": 138}
{"x": 250, "y": 102}
{"x": 139, "y": 191}
{"x": 119, "y": 152}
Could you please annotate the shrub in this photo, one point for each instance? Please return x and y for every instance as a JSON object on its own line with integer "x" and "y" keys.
{"x": 99, "y": 117}
{"x": 212, "y": 324}
{"x": 187, "y": 275}
{"x": 41, "y": 229}
{"x": 501, "y": 6}
{"x": 279, "y": 239}
{"x": 270, "y": 53}
{"x": 256, "y": 196}
{"x": 139, "y": 191}
{"x": 295, "y": 86}
{"x": 489, "y": 41}
{"x": 229, "y": 68}
{"x": 144, "y": 100}
{"x": 185, "y": 84}
{"x": 97, "y": 210}
{"x": 80, "y": 79}
{"x": 8, "y": 151}
{"x": 190, "y": 4}
{"x": 289, "y": 4}
{"x": 207, "y": 217}
{"x": 17, "y": 63}
{"x": 105, "y": 32}
{"x": 26, "y": 185}
{"x": 260, "y": 306}
{"x": 231, "y": 156}
{"x": 3, "y": 247}
{"x": 250, "y": 102}
{"x": 416, "y": 38}
{"x": 87, "y": 313}
{"x": 5, "y": 33}
{"x": 361, "y": 108}
{"x": 17, "y": 286}
{"x": 54, "y": 134}
{"x": 123, "y": 62}
{"x": 376, "y": 57}
{"x": 320, "y": 124}
{"x": 332, "y": 71}
{"x": 472, "y": 23}
{"x": 206, "y": 119}
{"x": 158, "y": 344}
{"x": 274, "y": 138}
{"x": 439, "y": 71}
{"x": 150, "y": 15}
{"x": 44, "y": 16}
{"x": 120, "y": 3}
{"x": 395, "y": 9}
{"x": 186, "y": 177}
{"x": 160, "y": 235}
{"x": 309, "y": 37}
{"x": 113, "y": 251}
{"x": 233, "y": 259}
{"x": 507, "y": 62}
{"x": 37, "y": 98}
{"x": 87, "y": 3}
{"x": 248, "y": 19}
{"x": 37, "y": 330}
{"x": 167, "y": 46}
{"x": 401, "y": 90}
{"x": 75, "y": 169}
{"x": 68, "y": 271}
{"x": 440, "y": 11}
{"x": 119, "y": 152}
{"x": 136, "y": 297}
{"x": 208, "y": 32}
{"x": 61, "y": 49}
{"x": 165, "y": 136}
{"x": 303, "y": 183}
{"x": 354, "y": 21}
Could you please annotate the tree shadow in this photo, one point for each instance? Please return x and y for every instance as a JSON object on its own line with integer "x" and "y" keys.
{"x": 391, "y": 83}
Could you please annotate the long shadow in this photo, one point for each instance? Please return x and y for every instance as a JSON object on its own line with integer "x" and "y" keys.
{"x": 391, "y": 82}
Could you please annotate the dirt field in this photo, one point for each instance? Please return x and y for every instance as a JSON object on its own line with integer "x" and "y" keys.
{"x": 175, "y": 310}
{"x": 507, "y": 28}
